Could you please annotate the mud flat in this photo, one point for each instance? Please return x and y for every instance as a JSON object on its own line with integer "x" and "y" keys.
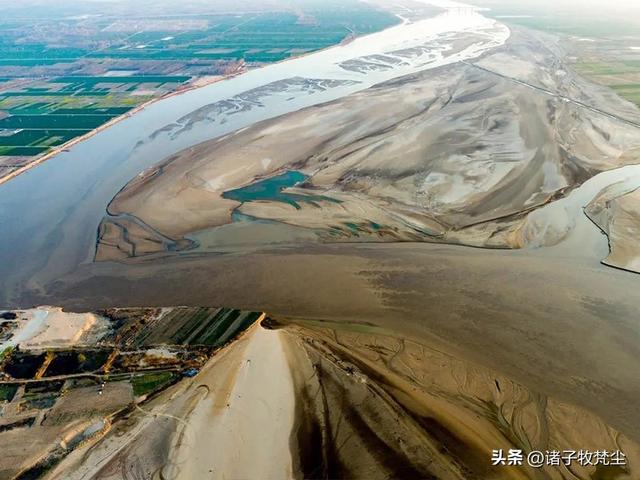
{"x": 50, "y": 214}
{"x": 616, "y": 211}
{"x": 473, "y": 152}
{"x": 345, "y": 401}
{"x": 398, "y": 350}
{"x": 562, "y": 326}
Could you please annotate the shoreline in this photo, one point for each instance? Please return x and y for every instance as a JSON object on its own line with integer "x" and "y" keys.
{"x": 194, "y": 86}
{"x": 110, "y": 171}
{"x": 74, "y": 141}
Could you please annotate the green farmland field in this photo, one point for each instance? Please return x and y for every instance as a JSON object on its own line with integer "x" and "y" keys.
{"x": 22, "y": 151}
{"x": 54, "y": 121}
{"x": 143, "y": 384}
{"x": 57, "y": 85}
{"x": 91, "y": 82}
{"x": 39, "y": 137}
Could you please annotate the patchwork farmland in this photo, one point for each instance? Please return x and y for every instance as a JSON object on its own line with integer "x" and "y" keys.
{"x": 71, "y": 75}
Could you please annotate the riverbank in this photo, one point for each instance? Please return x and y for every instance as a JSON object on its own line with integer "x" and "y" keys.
{"x": 76, "y": 190}
{"x": 194, "y": 85}
{"x": 510, "y": 177}
{"x": 66, "y": 146}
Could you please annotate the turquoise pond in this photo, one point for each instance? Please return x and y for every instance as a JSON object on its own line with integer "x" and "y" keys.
{"x": 271, "y": 189}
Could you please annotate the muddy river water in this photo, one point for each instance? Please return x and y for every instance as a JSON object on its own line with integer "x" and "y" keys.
{"x": 50, "y": 214}
{"x": 553, "y": 319}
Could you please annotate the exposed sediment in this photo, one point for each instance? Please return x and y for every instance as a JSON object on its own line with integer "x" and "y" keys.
{"x": 460, "y": 154}
{"x": 322, "y": 400}
{"x": 616, "y": 211}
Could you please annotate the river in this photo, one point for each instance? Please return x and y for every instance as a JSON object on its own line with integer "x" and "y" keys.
{"x": 552, "y": 319}
{"x": 50, "y": 214}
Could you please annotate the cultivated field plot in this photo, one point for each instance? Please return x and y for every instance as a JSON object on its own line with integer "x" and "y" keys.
{"x": 47, "y": 114}
{"x": 254, "y": 38}
{"x": 612, "y": 63}
{"x": 188, "y": 326}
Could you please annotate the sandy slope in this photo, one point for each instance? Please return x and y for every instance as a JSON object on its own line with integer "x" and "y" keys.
{"x": 232, "y": 421}
{"x": 315, "y": 399}
{"x": 242, "y": 429}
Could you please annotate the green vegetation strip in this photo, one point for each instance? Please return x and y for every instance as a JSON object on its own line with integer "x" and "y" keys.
{"x": 55, "y": 121}
{"x": 45, "y": 94}
{"x": 39, "y": 138}
{"x": 143, "y": 384}
{"x": 92, "y": 81}
{"x": 22, "y": 151}
{"x": 7, "y": 392}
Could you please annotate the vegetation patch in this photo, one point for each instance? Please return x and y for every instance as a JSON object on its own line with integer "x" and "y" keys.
{"x": 7, "y": 392}
{"x": 149, "y": 382}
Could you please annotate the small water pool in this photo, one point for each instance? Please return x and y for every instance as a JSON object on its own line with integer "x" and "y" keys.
{"x": 271, "y": 189}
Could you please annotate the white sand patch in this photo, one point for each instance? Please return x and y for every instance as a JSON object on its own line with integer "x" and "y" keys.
{"x": 247, "y": 427}
{"x": 160, "y": 353}
{"x": 154, "y": 354}
{"x": 60, "y": 328}
{"x": 30, "y": 324}
{"x": 51, "y": 327}
{"x": 223, "y": 182}
{"x": 120, "y": 73}
{"x": 143, "y": 92}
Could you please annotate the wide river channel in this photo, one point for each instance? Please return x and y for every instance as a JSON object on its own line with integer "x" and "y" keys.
{"x": 50, "y": 214}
